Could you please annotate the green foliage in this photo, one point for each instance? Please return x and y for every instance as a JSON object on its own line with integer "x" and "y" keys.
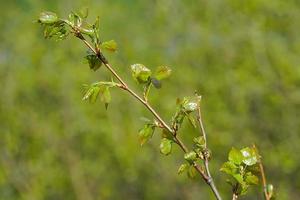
{"x": 109, "y": 45}
{"x": 165, "y": 146}
{"x": 146, "y": 133}
{"x": 93, "y": 61}
{"x": 140, "y": 73}
{"x": 239, "y": 168}
{"x": 99, "y": 88}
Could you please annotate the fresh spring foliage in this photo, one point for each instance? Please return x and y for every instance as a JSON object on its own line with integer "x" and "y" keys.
{"x": 242, "y": 165}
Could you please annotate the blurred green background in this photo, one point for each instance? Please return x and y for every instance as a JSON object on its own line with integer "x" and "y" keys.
{"x": 242, "y": 56}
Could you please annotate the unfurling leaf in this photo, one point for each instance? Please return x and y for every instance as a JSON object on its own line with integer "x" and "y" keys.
{"x": 162, "y": 72}
{"x": 105, "y": 96}
{"x": 191, "y": 172}
{"x": 94, "y": 62}
{"x": 250, "y": 157}
{"x": 199, "y": 141}
{"x": 235, "y": 156}
{"x": 109, "y": 45}
{"x": 182, "y": 168}
{"x": 92, "y": 94}
{"x": 146, "y": 133}
{"x": 165, "y": 146}
{"x": 190, "y": 156}
{"x": 48, "y": 17}
{"x": 140, "y": 73}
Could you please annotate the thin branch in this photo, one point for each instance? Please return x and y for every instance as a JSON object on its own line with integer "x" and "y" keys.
{"x": 262, "y": 173}
{"x": 198, "y": 168}
{"x": 206, "y": 158}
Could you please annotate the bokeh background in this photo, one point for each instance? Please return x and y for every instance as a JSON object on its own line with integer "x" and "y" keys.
{"x": 242, "y": 56}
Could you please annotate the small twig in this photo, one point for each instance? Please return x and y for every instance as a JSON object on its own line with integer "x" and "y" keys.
{"x": 206, "y": 158}
{"x": 262, "y": 173}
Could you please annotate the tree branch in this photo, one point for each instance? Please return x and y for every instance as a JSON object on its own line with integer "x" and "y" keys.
{"x": 207, "y": 178}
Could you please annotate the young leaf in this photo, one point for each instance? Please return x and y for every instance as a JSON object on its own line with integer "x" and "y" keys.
{"x": 162, "y": 72}
{"x": 191, "y": 172}
{"x": 235, "y": 156}
{"x": 105, "y": 96}
{"x": 146, "y": 133}
{"x": 251, "y": 179}
{"x": 48, "y": 17}
{"x": 92, "y": 94}
{"x": 249, "y": 155}
{"x": 190, "y": 156}
{"x": 229, "y": 168}
{"x": 182, "y": 168}
{"x": 165, "y": 146}
{"x": 140, "y": 73}
{"x": 109, "y": 45}
{"x": 56, "y": 31}
{"x": 199, "y": 141}
{"x": 93, "y": 61}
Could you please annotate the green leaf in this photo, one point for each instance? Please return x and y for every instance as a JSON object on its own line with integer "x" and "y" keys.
{"x": 140, "y": 73}
{"x": 91, "y": 94}
{"x": 249, "y": 156}
{"x": 191, "y": 172}
{"x": 199, "y": 141}
{"x": 93, "y": 61}
{"x": 162, "y": 72}
{"x": 239, "y": 178}
{"x": 251, "y": 179}
{"x": 105, "y": 96}
{"x": 48, "y": 17}
{"x": 182, "y": 168}
{"x": 229, "y": 168}
{"x": 235, "y": 156}
{"x": 146, "y": 133}
{"x": 56, "y": 31}
{"x": 190, "y": 156}
{"x": 109, "y": 45}
{"x": 165, "y": 146}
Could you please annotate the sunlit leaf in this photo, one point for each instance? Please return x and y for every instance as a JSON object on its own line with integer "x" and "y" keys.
{"x": 249, "y": 156}
{"x": 109, "y": 45}
{"x": 235, "y": 156}
{"x": 162, "y": 72}
{"x": 140, "y": 73}
{"x": 165, "y": 146}
{"x": 48, "y": 17}
{"x": 105, "y": 96}
{"x": 190, "y": 156}
{"x": 229, "y": 168}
